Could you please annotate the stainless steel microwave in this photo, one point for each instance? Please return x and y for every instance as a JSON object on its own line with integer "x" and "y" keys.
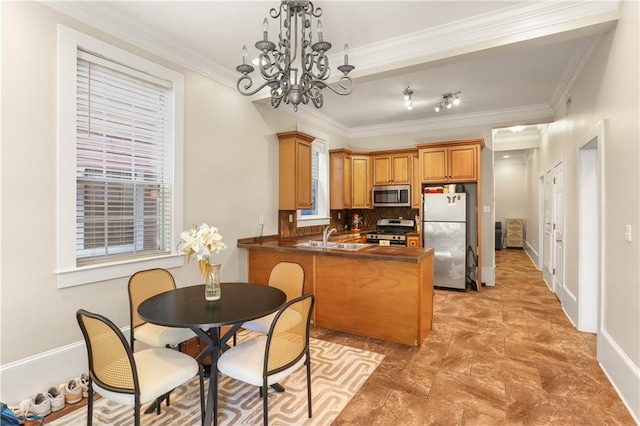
{"x": 391, "y": 196}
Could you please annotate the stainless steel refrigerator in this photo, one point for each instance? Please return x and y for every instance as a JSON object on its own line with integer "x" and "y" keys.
{"x": 444, "y": 229}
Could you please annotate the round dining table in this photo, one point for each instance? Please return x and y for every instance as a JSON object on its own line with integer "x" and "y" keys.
{"x": 186, "y": 307}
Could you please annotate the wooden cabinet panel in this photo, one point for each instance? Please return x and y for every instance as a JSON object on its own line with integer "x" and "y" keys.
{"x": 361, "y": 182}
{"x": 294, "y": 171}
{"x": 433, "y": 165}
{"x": 413, "y": 241}
{"x": 463, "y": 164}
{"x": 391, "y": 169}
{"x": 340, "y": 188}
{"x": 303, "y": 175}
{"x": 416, "y": 184}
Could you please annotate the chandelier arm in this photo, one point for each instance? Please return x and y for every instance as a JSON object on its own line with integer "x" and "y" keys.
{"x": 345, "y": 82}
{"x": 245, "y": 90}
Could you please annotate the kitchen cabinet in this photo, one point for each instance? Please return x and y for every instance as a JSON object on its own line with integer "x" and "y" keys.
{"x": 416, "y": 184}
{"x": 294, "y": 171}
{"x": 449, "y": 162}
{"x": 413, "y": 241}
{"x": 392, "y": 168}
{"x": 340, "y": 188}
{"x": 361, "y": 181}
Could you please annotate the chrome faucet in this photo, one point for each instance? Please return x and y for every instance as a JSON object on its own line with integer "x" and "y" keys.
{"x": 325, "y": 235}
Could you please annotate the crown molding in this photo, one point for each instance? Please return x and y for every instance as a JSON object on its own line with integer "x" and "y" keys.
{"x": 507, "y": 26}
{"x": 151, "y": 42}
{"x": 576, "y": 63}
{"x": 539, "y": 112}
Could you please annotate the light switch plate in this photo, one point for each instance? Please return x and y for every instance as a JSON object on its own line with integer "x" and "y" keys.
{"x": 486, "y": 209}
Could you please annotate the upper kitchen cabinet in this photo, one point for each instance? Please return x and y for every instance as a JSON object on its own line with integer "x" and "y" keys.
{"x": 392, "y": 168}
{"x": 295, "y": 171}
{"x": 449, "y": 162}
{"x": 416, "y": 184}
{"x": 340, "y": 183}
{"x": 361, "y": 181}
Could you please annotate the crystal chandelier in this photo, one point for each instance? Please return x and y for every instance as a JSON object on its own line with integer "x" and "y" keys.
{"x": 288, "y": 83}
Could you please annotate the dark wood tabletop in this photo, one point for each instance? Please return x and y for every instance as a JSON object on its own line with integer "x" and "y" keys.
{"x": 187, "y": 307}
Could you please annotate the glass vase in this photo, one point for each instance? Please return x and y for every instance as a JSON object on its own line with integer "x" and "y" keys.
{"x": 212, "y": 289}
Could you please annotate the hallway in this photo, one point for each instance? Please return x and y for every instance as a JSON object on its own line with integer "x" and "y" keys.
{"x": 504, "y": 355}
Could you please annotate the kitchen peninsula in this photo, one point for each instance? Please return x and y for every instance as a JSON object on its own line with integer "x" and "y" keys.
{"x": 384, "y": 292}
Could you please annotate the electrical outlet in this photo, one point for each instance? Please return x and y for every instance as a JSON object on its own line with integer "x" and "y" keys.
{"x": 290, "y": 218}
{"x": 261, "y": 219}
{"x": 627, "y": 233}
{"x": 339, "y": 215}
{"x": 486, "y": 209}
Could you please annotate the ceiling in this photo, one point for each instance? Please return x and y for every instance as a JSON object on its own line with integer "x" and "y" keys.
{"x": 512, "y": 61}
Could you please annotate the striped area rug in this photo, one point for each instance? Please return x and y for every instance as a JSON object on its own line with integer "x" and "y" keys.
{"x": 337, "y": 372}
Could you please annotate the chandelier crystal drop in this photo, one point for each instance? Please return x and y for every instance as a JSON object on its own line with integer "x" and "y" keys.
{"x": 287, "y": 82}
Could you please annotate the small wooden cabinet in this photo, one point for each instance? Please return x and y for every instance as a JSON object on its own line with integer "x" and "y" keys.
{"x": 515, "y": 233}
{"x": 294, "y": 171}
{"x": 340, "y": 186}
{"x": 361, "y": 182}
{"x": 392, "y": 168}
{"x": 449, "y": 163}
{"x": 413, "y": 241}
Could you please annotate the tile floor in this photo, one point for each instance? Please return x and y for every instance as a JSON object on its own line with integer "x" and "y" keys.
{"x": 504, "y": 355}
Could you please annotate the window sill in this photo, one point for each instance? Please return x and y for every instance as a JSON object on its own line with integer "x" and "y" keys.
{"x": 301, "y": 223}
{"x": 96, "y": 273}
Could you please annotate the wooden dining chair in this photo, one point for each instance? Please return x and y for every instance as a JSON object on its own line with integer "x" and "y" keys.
{"x": 288, "y": 277}
{"x": 267, "y": 359}
{"x": 120, "y": 375}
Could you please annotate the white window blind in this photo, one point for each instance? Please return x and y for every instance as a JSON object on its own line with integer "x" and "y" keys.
{"x": 124, "y": 158}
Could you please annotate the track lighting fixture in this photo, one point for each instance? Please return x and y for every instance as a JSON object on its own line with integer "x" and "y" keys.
{"x": 448, "y": 100}
{"x": 407, "y": 98}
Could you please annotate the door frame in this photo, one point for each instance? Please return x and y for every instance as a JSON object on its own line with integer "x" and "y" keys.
{"x": 560, "y": 289}
{"x": 590, "y": 259}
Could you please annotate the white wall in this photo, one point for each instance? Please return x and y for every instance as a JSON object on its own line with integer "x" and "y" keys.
{"x": 231, "y": 163}
{"x": 510, "y": 191}
{"x": 608, "y": 88}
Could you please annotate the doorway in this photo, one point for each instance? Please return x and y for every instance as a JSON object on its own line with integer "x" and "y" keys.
{"x": 590, "y": 228}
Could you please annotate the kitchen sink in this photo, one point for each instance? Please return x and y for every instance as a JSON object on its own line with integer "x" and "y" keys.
{"x": 331, "y": 245}
{"x": 349, "y": 246}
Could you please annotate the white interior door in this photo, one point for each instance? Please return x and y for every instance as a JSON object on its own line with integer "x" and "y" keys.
{"x": 558, "y": 229}
{"x": 547, "y": 246}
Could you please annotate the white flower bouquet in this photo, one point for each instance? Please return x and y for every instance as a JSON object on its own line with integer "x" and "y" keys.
{"x": 201, "y": 242}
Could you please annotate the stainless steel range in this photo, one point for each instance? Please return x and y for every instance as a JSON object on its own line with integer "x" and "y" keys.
{"x": 393, "y": 230}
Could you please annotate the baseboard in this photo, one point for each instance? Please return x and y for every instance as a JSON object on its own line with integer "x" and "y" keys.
{"x": 489, "y": 276}
{"x": 533, "y": 254}
{"x": 569, "y": 303}
{"x": 623, "y": 374}
{"x": 26, "y": 377}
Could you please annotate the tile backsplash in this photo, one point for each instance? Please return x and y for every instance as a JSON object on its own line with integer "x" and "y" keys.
{"x": 369, "y": 219}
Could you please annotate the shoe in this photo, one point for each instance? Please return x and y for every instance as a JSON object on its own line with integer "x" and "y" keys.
{"x": 83, "y": 380}
{"x": 40, "y": 405}
{"x": 72, "y": 391}
{"x": 56, "y": 399}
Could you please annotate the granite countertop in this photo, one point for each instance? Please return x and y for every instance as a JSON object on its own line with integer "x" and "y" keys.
{"x": 371, "y": 251}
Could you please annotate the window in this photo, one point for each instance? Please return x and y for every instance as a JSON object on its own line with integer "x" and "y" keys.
{"x": 318, "y": 214}
{"x": 118, "y": 154}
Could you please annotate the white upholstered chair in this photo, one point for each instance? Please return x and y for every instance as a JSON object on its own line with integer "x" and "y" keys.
{"x": 119, "y": 375}
{"x": 267, "y": 359}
